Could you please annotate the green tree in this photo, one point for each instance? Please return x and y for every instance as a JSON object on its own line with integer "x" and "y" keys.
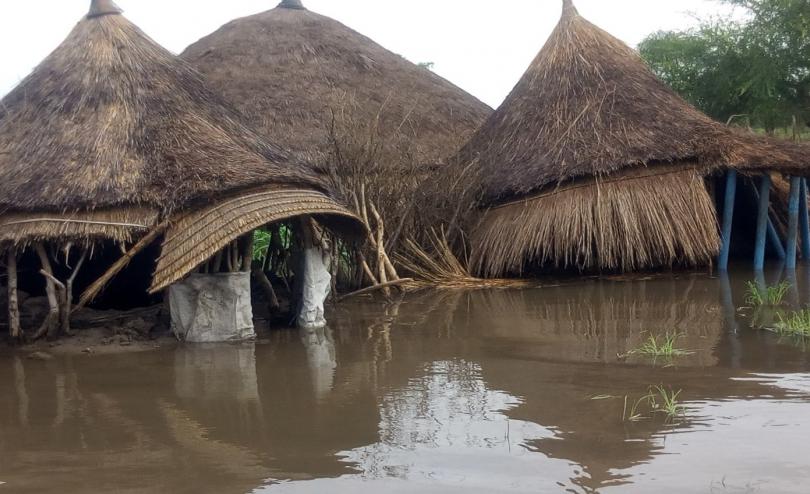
{"x": 758, "y": 68}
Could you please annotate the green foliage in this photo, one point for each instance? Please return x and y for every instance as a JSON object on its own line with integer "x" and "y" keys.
{"x": 261, "y": 244}
{"x": 769, "y": 296}
{"x": 795, "y": 324}
{"x": 265, "y": 240}
{"x": 666, "y": 346}
{"x": 665, "y": 401}
{"x": 427, "y": 65}
{"x": 658, "y": 400}
{"x": 755, "y": 70}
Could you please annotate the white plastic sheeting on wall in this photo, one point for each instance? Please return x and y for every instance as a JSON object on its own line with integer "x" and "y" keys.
{"x": 317, "y": 283}
{"x": 210, "y": 308}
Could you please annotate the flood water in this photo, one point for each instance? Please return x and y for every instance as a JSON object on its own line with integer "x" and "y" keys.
{"x": 519, "y": 390}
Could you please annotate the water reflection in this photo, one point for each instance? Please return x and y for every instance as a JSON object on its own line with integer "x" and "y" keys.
{"x": 434, "y": 428}
{"x": 321, "y": 359}
{"x": 482, "y": 391}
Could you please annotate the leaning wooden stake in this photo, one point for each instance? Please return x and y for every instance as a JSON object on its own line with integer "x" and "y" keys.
{"x": 13, "y": 297}
{"x": 381, "y": 286}
{"x": 116, "y": 268}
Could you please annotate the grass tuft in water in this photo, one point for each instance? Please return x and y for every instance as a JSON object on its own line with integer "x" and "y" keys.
{"x": 661, "y": 347}
{"x": 658, "y": 400}
{"x": 769, "y": 296}
{"x": 794, "y": 324}
{"x": 666, "y": 402}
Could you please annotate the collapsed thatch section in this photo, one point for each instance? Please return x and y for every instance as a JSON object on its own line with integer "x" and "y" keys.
{"x": 661, "y": 217}
{"x": 111, "y": 134}
{"x": 593, "y": 163}
{"x": 201, "y": 233}
{"x": 290, "y": 69}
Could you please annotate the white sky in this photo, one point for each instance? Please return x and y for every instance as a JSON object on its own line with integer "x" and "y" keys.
{"x": 484, "y": 46}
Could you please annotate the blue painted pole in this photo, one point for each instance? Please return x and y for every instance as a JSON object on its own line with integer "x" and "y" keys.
{"x": 728, "y": 218}
{"x": 762, "y": 222}
{"x": 776, "y": 242}
{"x": 773, "y": 235}
{"x": 793, "y": 222}
{"x": 804, "y": 221}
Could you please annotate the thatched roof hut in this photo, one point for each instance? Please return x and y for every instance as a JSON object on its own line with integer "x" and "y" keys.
{"x": 594, "y": 163}
{"x": 289, "y": 69}
{"x": 112, "y": 134}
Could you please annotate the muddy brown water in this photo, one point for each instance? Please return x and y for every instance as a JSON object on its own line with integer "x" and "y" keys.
{"x": 459, "y": 391}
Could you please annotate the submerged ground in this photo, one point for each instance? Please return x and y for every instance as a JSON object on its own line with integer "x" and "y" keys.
{"x": 482, "y": 391}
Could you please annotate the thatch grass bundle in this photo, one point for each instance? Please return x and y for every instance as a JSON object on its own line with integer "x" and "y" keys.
{"x": 622, "y": 223}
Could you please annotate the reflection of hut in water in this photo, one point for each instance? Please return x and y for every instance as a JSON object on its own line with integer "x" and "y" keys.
{"x": 111, "y": 136}
{"x": 289, "y": 68}
{"x": 603, "y": 321}
{"x": 592, "y": 163}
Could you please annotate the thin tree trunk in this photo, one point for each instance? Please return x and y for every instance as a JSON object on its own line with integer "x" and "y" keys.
{"x": 67, "y": 302}
{"x": 247, "y": 253}
{"x": 13, "y": 297}
{"x": 51, "y": 323}
{"x": 216, "y": 265}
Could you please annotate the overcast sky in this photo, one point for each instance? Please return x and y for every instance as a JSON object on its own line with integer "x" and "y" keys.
{"x": 481, "y": 45}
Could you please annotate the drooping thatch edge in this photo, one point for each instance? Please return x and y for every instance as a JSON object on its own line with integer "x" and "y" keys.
{"x": 639, "y": 219}
{"x": 121, "y": 225}
{"x": 196, "y": 236}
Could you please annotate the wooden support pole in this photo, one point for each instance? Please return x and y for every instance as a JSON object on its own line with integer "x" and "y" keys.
{"x": 793, "y": 222}
{"x": 13, "y": 298}
{"x": 67, "y": 302}
{"x": 804, "y": 221}
{"x": 247, "y": 252}
{"x": 762, "y": 222}
{"x": 51, "y": 322}
{"x": 728, "y": 218}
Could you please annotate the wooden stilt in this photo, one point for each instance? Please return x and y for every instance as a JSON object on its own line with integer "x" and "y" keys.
{"x": 728, "y": 218}
{"x": 804, "y": 221}
{"x": 762, "y": 222}
{"x": 793, "y": 222}
{"x": 13, "y": 298}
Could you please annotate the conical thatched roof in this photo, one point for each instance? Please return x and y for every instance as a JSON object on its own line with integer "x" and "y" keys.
{"x": 112, "y": 131}
{"x": 288, "y": 68}
{"x": 587, "y": 106}
{"x": 594, "y": 163}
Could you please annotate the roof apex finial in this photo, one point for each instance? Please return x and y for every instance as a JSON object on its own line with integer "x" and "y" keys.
{"x": 569, "y": 9}
{"x": 99, "y": 8}
{"x": 292, "y": 4}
